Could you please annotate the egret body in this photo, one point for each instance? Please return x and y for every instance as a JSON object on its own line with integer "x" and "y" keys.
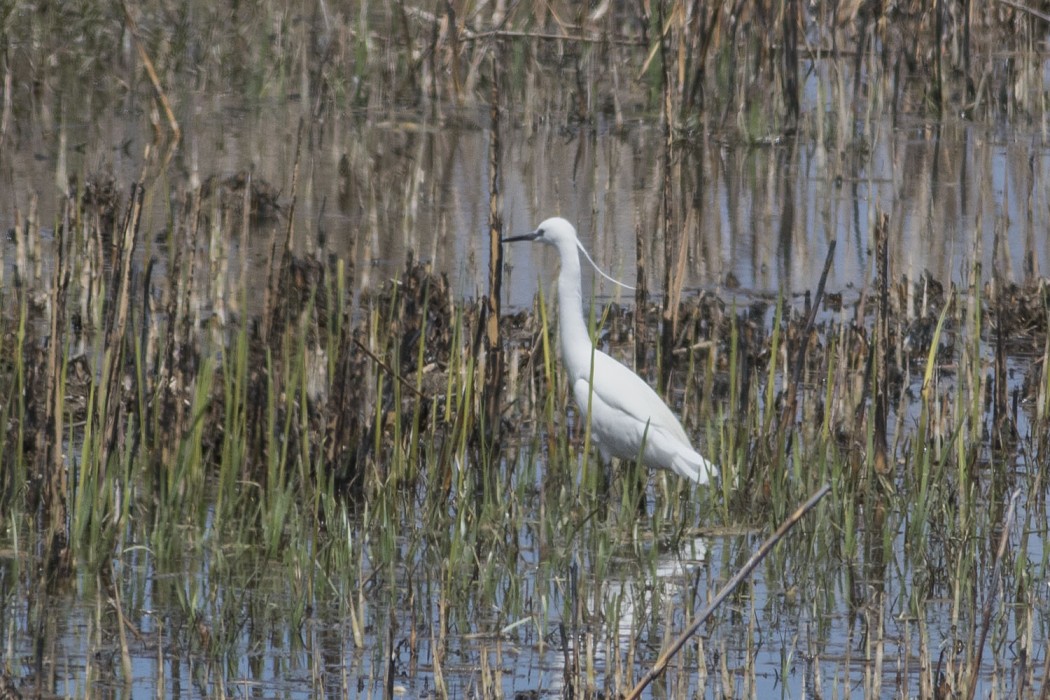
{"x": 625, "y": 412}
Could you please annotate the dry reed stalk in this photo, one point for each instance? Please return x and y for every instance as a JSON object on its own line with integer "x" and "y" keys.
{"x": 1044, "y": 691}
{"x": 117, "y": 320}
{"x": 787, "y": 415}
{"x": 1000, "y": 411}
{"x": 938, "y": 66}
{"x": 641, "y": 300}
{"x": 668, "y": 314}
{"x": 390, "y": 665}
{"x": 454, "y": 51}
{"x": 882, "y": 325}
{"x": 5, "y": 111}
{"x": 761, "y": 553}
{"x": 476, "y": 37}
{"x": 149, "y": 330}
{"x": 50, "y": 439}
{"x": 494, "y": 361}
{"x": 711, "y": 34}
{"x": 277, "y": 267}
{"x": 111, "y": 584}
{"x": 789, "y": 26}
{"x": 162, "y": 97}
{"x": 171, "y": 373}
{"x": 385, "y": 366}
{"x": 997, "y": 573}
{"x": 21, "y": 255}
{"x": 1004, "y": 431}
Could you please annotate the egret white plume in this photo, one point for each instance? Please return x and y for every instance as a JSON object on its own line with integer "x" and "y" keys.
{"x": 595, "y": 265}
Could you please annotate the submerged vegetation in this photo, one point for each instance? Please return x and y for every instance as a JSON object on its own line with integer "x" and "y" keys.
{"x": 233, "y": 458}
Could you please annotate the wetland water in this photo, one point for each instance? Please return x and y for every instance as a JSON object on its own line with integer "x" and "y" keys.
{"x": 378, "y": 186}
{"x": 253, "y": 549}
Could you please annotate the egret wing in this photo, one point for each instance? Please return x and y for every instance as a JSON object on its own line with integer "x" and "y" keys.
{"x": 624, "y": 391}
{"x": 627, "y": 414}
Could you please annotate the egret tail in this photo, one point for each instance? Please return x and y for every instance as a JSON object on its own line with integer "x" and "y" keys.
{"x": 692, "y": 465}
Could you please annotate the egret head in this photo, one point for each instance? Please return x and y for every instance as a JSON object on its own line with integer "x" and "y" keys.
{"x": 559, "y": 233}
{"x": 555, "y": 231}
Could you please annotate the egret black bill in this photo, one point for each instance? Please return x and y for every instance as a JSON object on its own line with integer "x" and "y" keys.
{"x": 527, "y": 237}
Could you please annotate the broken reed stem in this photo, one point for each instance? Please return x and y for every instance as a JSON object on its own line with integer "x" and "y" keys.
{"x": 986, "y": 617}
{"x": 162, "y": 97}
{"x": 276, "y": 270}
{"x": 389, "y": 370}
{"x": 882, "y": 334}
{"x": 800, "y": 358}
{"x": 738, "y": 578}
{"x": 544, "y": 36}
{"x": 1024, "y": 8}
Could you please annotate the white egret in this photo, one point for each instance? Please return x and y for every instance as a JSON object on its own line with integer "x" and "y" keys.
{"x": 625, "y": 413}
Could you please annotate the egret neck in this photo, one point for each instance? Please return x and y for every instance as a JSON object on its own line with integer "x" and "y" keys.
{"x": 577, "y": 349}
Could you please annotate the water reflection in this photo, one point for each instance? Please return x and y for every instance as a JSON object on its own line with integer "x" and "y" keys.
{"x": 627, "y": 620}
{"x": 757, "y": 216}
